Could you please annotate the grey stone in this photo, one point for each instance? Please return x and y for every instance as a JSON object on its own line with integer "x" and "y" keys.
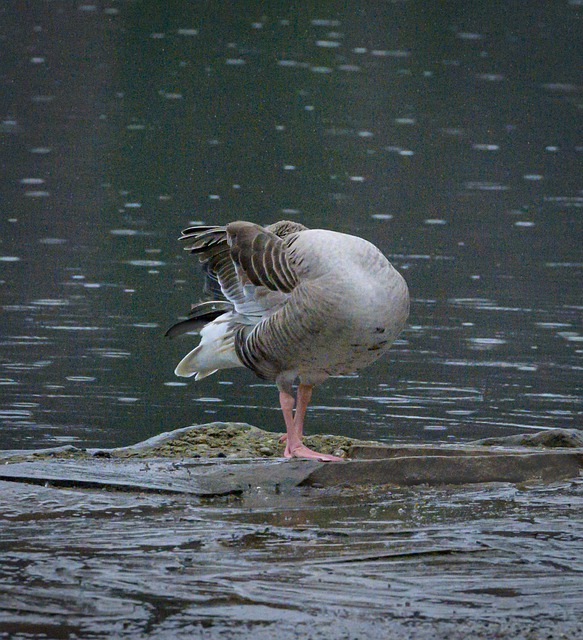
{"x": 550, "y": 438}
{"x": 450, "y": 469}
{"x": 378, "y": 452}
{"x": 206, "y": 479}
{"x": 172, "y": 463}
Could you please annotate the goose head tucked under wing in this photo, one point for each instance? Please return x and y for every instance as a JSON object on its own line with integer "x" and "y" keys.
{"x": 291, "y": 303}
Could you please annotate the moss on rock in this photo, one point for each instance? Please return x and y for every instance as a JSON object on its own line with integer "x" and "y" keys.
{"x": 214, "y": 440}
{"x": 230, "y": 440}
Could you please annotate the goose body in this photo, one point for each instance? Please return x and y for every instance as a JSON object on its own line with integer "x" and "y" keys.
{"x": 296, "y": 303}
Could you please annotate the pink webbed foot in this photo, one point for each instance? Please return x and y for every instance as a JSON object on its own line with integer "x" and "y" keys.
{"x": 302, "y": 451}
{"x": 294, "y": 424}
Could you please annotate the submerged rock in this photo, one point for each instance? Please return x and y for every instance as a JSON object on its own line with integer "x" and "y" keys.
{"x": 551, "y": 438}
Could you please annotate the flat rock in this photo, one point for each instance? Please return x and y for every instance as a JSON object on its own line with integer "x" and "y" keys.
{"x": 245, "y": 460}
{"x": 464, "y": 468}
{"x": 161, "y": 476}
{"x": 379, "y": 451}
{"x": 222, "y": 478}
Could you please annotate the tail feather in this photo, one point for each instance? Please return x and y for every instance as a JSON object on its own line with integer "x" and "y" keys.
{"x": 215, "y": 351}
{"x": 188, "y": 366}
{"x": 203, "y": 374}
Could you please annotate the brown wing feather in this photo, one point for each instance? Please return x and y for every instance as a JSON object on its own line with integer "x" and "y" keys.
{"x": 210, "y": 245}
{"x": 262, "y": 256}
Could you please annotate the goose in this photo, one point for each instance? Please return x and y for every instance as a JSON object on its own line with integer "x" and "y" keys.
{"x": 290, "y": 304}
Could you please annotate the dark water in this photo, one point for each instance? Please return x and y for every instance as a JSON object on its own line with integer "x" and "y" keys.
{"x": 424, "y": 564}
{"x": 446, "y": 133}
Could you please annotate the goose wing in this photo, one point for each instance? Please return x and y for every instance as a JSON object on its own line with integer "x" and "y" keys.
{"x": 245, "y": 263}
{"x": 265, "y": 263}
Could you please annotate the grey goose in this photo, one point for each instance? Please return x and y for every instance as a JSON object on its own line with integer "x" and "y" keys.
{"x": 291, "y": 303}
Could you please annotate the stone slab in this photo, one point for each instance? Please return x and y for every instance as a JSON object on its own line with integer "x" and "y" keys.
{"x": 161, "y": 476}
{"x": 123, "y": 475}
{"x": 451, "y": 469}
{"x": 548, "y": 438}
{"x": 229, "y": 478}
{"x": 380, "y": 452}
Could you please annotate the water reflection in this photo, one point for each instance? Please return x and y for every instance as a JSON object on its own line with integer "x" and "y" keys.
{"x": 446, "y": 146}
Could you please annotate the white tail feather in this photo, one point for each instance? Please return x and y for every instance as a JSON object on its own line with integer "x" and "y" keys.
{"x": 215, "y": 351}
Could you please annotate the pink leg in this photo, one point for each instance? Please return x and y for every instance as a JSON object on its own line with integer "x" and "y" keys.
{"x": 294, "y": 447}
{"x": 287, "y": 403}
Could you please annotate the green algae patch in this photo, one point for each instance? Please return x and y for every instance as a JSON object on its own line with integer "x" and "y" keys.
{"x": 229, "y": 440}
{"x": 68, "y": 452}
{"x": 215, "y": 440}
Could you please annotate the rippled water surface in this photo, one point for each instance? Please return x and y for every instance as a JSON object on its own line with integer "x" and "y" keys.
{"x": 446, "y": 135}
{"x": 439, "y": 563}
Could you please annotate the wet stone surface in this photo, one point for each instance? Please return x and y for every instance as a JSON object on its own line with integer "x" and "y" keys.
{"x": 172, "y": 462}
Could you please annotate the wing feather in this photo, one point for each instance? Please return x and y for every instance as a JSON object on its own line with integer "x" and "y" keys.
{"x": 244, "y": 273}
{"x": 262, "y": 256}
{"x": 200, "y": 315}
